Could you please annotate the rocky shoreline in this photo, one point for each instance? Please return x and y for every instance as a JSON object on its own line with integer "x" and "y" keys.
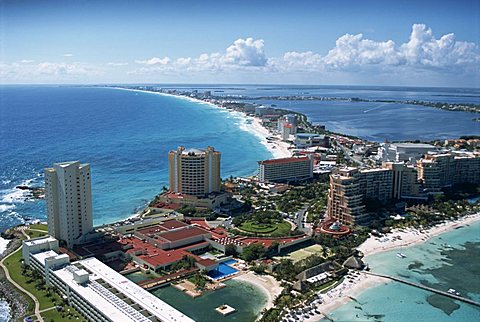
{"x": 17, "y": 301}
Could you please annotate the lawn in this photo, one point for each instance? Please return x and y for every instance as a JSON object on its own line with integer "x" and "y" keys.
{"x": 39, "y": 227}
{"x": 15, "y": 269}
{"x": 275, "y": 229}
{"x": 54, "y": 315}
{"x": 34, "y": 233}
{"x": 303, "y": 253}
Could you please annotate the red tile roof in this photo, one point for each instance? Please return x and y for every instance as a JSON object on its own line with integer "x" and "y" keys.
{"x": 207, "y": 262}
{"x": 172, "y": 224}
{"x": 184, "y": 233}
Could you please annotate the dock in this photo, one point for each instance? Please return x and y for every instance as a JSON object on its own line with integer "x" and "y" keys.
{"x": 427, "y": 288}
{"x": 166, "y": 280}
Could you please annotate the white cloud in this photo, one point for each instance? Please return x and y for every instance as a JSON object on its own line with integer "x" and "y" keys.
{"x": 67, "y": 55}
{"x": 154, "y": 61}
{"x": 422, "y": 50}
{"x": 47, "y": 71}
{"x": 246, "y": 52}
{"x": 26, "y": 61}
{"x": 242, "y": 54}
{"x": 116, "y": 64}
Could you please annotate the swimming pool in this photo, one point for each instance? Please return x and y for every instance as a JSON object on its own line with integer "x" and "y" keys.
{"x": 223, "y": 270}
{"x": 230, "y": 261}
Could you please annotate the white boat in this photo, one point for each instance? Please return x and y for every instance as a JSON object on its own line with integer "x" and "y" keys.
{"x": 453, "y": 291}
{"x": 401, "y": 255}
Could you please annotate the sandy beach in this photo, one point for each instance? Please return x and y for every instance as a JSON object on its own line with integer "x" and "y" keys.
{"x": 267, "y": 283}
{"x": 399, "y": 238}
{"x": 277, "y": 147}
{"x": 343, "y": 292}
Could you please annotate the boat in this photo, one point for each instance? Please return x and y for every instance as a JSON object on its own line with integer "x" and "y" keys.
{"x": 401, "y": 255}
{"x": 453, "y": 291}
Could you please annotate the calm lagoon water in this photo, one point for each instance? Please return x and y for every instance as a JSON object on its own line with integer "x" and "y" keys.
{"x": 450, "y": 260}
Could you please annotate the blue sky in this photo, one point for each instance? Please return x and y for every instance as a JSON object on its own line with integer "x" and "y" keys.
{"x": 424, "y": 43}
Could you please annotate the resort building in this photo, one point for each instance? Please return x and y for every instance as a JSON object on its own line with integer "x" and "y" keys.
{"x": 264, "y": 110}
{"x": 99, "y": 293}
{"x": 68, "y": 200}
{"x": 376, "y": 184}
{"x": 443, "y": 170}
{"x": 194, "y": 172}
{"x": 399, "y": 152}
{"x": 305, "y": 140}
{"x": 287, "y": 125}
{"x": 286, "y": 169}
{"x": 405, "y": 183}
{"x": 345, "y": 197}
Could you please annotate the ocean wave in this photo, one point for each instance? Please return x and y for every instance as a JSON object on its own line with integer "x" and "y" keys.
{"x": 5, "y": 311}
{"x": 3, "y": 244}
{"x": 4, "y": 208}
{"x": 15, "y": 195}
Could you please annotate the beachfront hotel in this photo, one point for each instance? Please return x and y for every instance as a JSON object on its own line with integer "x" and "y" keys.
{"x": 443, "y": 170}
{"x": 194, "y": 172}
{"x": 94, "y": 289}
{"x": 68, "y": 198}
{"x": 345, "y": 197}
{"x": 285, "y": 169}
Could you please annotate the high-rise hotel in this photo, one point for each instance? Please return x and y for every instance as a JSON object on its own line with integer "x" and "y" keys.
{"x": 68, "y": 199}
{"x": 194, "y": 172}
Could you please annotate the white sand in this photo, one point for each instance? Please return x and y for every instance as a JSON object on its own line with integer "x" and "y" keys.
{"x": 267, "y": 283}
{"x": 410, "y": 236}
{"x": 341, "y": 294}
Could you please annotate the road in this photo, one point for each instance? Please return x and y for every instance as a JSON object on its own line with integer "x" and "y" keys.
{"x": 7, "y": 275}
{"x": 347, "y": 152}
{"x": 299, "y": 219}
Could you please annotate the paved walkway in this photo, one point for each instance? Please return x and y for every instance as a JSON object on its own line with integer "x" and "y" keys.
{"x": 7, "y": 275}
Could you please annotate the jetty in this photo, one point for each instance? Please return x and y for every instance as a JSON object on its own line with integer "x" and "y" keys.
{"x": 427, "y": 288}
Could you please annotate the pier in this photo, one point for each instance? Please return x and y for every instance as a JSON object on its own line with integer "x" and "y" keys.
{"x": 167, "y": 279}
{"x": 427, "y": 288}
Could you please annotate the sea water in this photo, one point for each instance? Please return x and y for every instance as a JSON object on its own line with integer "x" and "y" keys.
{"x": 374, "y": 121}
{"x": 124, "y": 135}
{"x": 247, "y": 299}
{"x": 450, "y": 260}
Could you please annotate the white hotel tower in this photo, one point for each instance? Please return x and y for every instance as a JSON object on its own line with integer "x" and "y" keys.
{"x": 68, "y": 199}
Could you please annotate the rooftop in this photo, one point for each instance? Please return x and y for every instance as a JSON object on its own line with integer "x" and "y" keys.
{"x": 39, "y": 241}
{"x": 284, "y": 160}
{"x": 184, "y": 233}
{"x": 96, "y": 292}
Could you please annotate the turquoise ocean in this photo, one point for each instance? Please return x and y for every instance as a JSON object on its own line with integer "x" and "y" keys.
{"x": 449, "y": 260}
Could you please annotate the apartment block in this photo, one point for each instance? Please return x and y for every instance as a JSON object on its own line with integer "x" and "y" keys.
{"x": 68, "y": 198}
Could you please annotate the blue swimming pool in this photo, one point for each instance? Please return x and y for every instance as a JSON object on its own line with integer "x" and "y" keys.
{"x": 222, "y": 271}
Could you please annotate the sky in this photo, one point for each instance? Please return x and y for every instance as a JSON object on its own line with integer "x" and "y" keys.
{"x": 408, "y": 43}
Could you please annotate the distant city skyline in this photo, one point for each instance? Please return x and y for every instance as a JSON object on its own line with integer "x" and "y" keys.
{"x": 431, "y": 43}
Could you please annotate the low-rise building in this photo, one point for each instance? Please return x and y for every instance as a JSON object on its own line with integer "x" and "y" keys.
{"x": 399, "y": 152}
{"x": 304, "y": 140}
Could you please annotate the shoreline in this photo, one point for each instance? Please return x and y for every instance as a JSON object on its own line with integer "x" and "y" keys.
{"x": 267, "y": 283}
{"x": 345, "y": 291}
{"x": 411, "y": 236}
{"x": 278, "y": 148}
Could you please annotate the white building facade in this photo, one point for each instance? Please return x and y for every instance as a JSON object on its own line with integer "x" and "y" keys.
{"x": 68, "y": 197}
{"x": 285, "y": 169}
